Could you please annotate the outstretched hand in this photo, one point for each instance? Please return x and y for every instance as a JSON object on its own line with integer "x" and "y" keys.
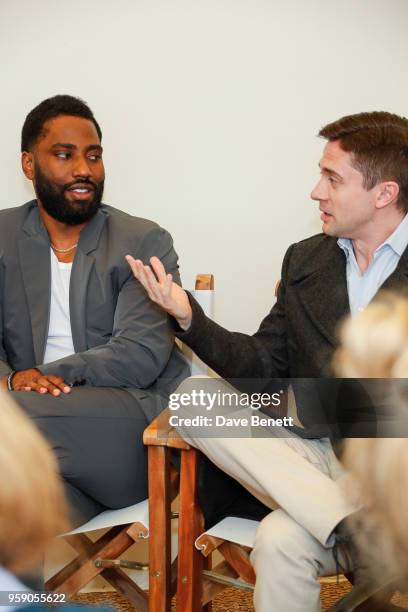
{"x": 162, "y": 290}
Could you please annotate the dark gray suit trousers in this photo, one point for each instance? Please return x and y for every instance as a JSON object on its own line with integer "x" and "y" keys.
{"x": 96, "y": 435}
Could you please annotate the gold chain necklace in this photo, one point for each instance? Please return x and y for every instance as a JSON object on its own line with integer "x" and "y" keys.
{"x": 54, "y": 248}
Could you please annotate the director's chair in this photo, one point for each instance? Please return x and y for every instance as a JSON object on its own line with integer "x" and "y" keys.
{"x": 136, "y": 523}
{"x": 198, "y": 583}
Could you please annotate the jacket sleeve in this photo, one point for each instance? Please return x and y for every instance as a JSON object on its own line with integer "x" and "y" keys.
{"x": 141, "y": 340}
{"x": 236, "y": 355}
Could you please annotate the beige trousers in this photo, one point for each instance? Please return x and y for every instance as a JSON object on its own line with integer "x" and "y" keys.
{"x": 300, "y": 478}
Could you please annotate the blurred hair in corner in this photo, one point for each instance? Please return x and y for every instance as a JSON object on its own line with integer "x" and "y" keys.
{"x": 32, "y": 504}
{"x": 374, "y": 344}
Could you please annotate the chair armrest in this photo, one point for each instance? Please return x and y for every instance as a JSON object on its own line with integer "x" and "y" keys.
{"x": 204, "y": 282}
{"x": 161, "y": 433}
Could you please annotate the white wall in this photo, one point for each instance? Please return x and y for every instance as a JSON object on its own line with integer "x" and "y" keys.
{"x": 209, "y": 112}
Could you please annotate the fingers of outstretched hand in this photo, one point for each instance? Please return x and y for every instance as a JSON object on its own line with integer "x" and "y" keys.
{"x": 135, "y": 265}
{"x": 139, "y": 271}
{"x": 137, "y": 268}
{"x": 154, "y": 286}
{"x": 154, "y": 279}
{"x": 158, "y": 269}
{"x": 165, "y": 280}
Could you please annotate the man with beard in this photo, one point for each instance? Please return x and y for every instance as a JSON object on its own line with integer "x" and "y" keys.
{"x": 90, "y": 368}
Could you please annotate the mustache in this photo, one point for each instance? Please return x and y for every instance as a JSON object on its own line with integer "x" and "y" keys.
{"x": 84, "y": 182}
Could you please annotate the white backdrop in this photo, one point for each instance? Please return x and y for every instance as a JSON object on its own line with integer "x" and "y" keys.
{"x": 209, "y": 112}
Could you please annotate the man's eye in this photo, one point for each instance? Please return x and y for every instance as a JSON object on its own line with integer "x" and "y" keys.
{"x": 63, "y": 155}
{"x": 94, "y": 156}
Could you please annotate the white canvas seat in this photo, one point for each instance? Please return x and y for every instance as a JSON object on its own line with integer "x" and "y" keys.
{"x": 238, "y": 530}
{"x": 138, "y": 513}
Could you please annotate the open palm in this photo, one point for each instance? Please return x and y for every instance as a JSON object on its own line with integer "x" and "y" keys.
{"x": 162, "y": 290}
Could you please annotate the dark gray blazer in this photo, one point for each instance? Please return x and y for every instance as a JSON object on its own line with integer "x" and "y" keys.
{"x": 121, "y": 339}
{"x": 298, "y": 337}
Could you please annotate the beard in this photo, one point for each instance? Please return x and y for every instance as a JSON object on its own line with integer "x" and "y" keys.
{"x": 59, "y": 207}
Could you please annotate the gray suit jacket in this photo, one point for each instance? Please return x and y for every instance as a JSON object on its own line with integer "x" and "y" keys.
{"x": 120, "y": 338}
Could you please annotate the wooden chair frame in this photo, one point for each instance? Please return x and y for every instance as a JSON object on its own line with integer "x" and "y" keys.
{"x": 103, "y": 556}
{"x": 197, "y": 584}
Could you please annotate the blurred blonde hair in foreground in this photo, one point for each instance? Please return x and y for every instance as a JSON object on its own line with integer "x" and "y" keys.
{"x": 32, "y": 504}
{"x": 375, "y": 345}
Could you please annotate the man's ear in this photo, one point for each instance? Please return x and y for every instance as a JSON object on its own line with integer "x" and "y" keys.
{"x": 387, "y": 193}
{"x": 27, "y": 164}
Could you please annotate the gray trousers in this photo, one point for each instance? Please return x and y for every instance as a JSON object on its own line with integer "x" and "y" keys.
{"x": 96, "y": 435}
{"x": 301, "y": 480}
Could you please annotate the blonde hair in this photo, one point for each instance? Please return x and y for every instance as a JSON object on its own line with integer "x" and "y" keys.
{"x": 375, "y": 344}
{"x": 32, "y": 504}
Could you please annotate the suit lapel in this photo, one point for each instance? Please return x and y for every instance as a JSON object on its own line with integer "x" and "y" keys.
{"x": 81, "y": 270}
{"x": 34, "y": 255}
{"x": 323, "y": 292}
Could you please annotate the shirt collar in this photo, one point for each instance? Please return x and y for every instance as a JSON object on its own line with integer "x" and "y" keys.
{"x": 398, "y": 241}
{"x": 346, "y": 245}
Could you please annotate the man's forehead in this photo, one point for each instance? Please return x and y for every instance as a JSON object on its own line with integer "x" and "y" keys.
{"x": 335, "y": 158}
{"x": 69, "y": 129}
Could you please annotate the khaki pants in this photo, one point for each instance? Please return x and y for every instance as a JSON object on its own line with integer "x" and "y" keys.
{"x": 300, "y": 478}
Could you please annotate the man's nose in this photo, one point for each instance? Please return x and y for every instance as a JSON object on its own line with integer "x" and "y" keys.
{"x": 81, "y": 167}
{"x": 318, "y": 191}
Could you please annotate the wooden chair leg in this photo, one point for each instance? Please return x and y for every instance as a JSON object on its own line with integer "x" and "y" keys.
{"x": 122, "y": 583}
{"x": 81, "y": 570}
{"x": 238, "y": 559}
{"x": 208, "y": 607}
{"x": 160, "y": 529}
{"x": 191, "y": 525}
{"x": 212, "y": 589}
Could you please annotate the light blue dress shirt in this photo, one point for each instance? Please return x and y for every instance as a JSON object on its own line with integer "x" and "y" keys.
{"x": 363, "y": 287}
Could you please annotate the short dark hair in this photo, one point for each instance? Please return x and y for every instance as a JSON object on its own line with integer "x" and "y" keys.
{"x": 49, "y": 109}
{"x": 378, "y": 142}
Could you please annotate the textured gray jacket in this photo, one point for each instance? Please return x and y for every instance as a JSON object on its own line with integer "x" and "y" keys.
{"x": 298, "y": 336}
